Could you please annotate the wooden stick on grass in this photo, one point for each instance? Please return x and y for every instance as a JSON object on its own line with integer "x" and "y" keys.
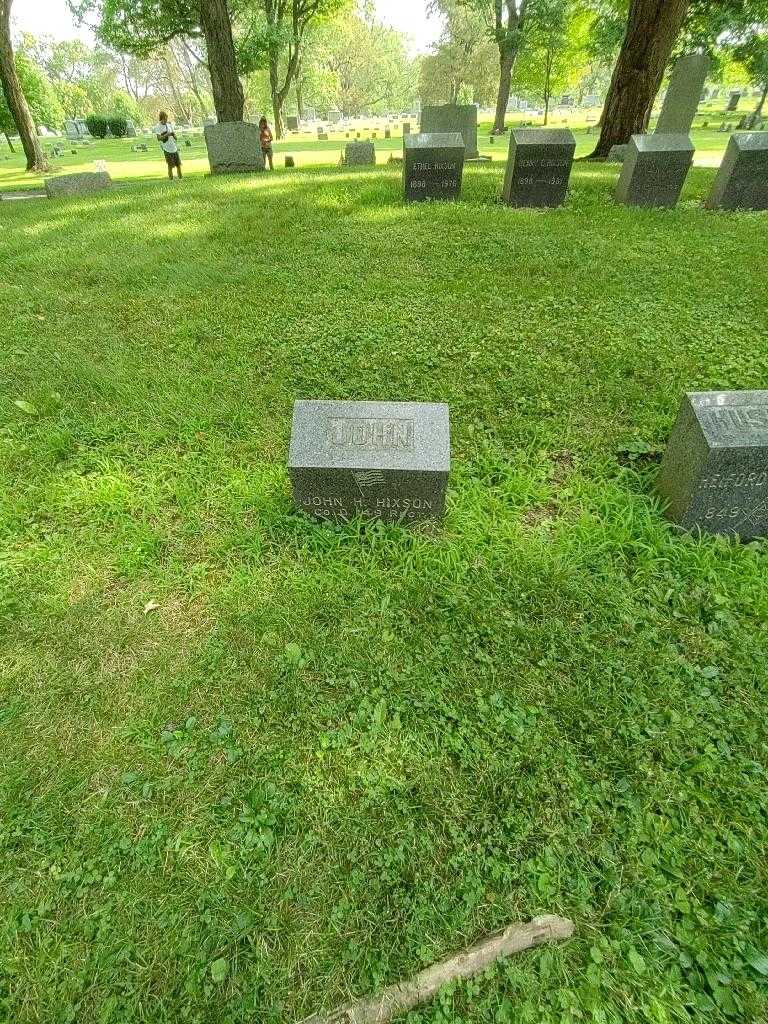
{"x": 405, "y": 995}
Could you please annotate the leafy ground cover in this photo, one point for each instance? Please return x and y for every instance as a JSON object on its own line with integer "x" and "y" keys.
{"x": 252, "y": 764}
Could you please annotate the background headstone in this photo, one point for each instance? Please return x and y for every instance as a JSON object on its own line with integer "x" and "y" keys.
{"x": 617, "y": 154}
{"x": 742, "y": 180}
{"x": 359, "y": 154}
{"x": 130, "y": 129}
{"x": 538, "y": 166}
{"x": 77, "y": 184}
{"x": 733, "y": 102}
{"x": 714, "y": 475}
{"x": 406, "y": 128}
{"x": 292, "y": 123}
{"x": 684, "y": 94}
{"x": 460, "y": 118}
{"x": 290, "y": 162}
{"x": 433, "y": 164}
{"x": 234, "y": 147}
{"x": 387, "y": 460}
{"x": 654, "y": 170}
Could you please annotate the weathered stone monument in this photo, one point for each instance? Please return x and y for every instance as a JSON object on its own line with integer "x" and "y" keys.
{"x": 77, "y": 184}
{"x": 292, "y": 123}
{"x": 742, "y": 180}
{"x": 538, "y": 166}
{"x": 654, "y": 170}
{"x": 359, "y": 154}
{"x": 387, "y": 460}
{"x": 452, "y": 117}
{"x": 433, "y": 165}
{"x": 617, "y": 154}
{"x": 234, "y": 147}
{"x": 714, "y": 475}
{"x": 733, "y": 102}
{"x": 130, "y": 128}
{"x": 684, "y": 94}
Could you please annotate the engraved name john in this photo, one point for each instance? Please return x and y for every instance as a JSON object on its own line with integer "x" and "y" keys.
{"x": 373, "y": 434}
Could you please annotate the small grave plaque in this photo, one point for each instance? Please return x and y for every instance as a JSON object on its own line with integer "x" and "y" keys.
{"x": 654, "y": 170}
{"x": 386, "y": 460}
{"x": 538, "y": 166}
{"x": 742, "y": 181}
{"x": 359, "y": 154}
{"x": 715, "y": 471}
{"x": 432, "y": 166}
{"x": 77, "y": 184}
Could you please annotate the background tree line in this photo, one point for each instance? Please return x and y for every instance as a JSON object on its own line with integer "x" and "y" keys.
{"x": 241, "y": 58}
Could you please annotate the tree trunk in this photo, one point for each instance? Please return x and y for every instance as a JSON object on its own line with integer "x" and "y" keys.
{"x": 8, "y": 140}
{"x": 228, "y": 96}
{"x": 15, "y": 98}
{"x": 299, "y": 87}
{"x": 274, "y": 89}
{"x": 757, "y": 113}
{"x": 507, "y": 58}
{"x": 652, "y": 30}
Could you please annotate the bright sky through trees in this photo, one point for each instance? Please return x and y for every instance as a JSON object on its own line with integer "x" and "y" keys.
{"x": 52, "y": 17}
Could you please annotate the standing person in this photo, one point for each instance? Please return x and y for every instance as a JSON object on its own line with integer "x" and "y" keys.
{"x": 166, "y": 136}
{"x": 266, "y": 142}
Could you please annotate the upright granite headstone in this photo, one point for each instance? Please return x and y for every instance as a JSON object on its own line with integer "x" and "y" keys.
{"x": 733, "y": 102}
{"x": 714, "y": 475}
{"x": 617, "y": 154}
{"x": 234, "y": 147}
{"x": 654, "y": 170}
{"x": 684, "y": 94}
{"x": 432, "y": 166}
{"x": 452, "y": 117}
{"x": 77, "y": 184}
{"x": 359, "y": 154}
{"x": 130, "y": 128}
{"x": 71, "y": 130}
{"x": 292, "y": 123}
{"x": 387, "y": 460}
{"x": 538, "y": 166}
{"x": 406, "y": 128}
{"x": 742, "y": 180}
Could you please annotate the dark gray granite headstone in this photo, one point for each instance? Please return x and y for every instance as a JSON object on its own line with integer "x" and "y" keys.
{"x": 714, "y": 475}
{"x": 234, "y": 147}
{"x": 684, "y": 94}
{"x": 292, "y": 123}
{"x": 432, "y": 166}
{"x": 359, "y": 154}
{"x": 386, "y": 460}
{"x": 654, "y": 170}
{"x": 733, "y": 102}
{"x": 617, "y": 154}
{"x": 538, "y": 166}
{"x": 77, "y": 184}
{"x": 452, "y": 117}
{"x": 742, "y": 181}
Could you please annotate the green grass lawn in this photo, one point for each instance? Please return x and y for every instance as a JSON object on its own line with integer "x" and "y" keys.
{"x": 332, "y": 755}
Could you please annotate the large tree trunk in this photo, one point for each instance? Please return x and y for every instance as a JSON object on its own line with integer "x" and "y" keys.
{"x": 274, "y": 89}
{"x": 228, "y": 96}
{"x": 15, "y": 98}
{"x": 507, "y": 59}
{"x": 652, "y": 29}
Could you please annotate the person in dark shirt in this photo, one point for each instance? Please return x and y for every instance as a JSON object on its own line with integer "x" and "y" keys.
{"x": 266, "y": 142}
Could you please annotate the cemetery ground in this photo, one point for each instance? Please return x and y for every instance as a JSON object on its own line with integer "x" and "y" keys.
{"x": 253, "y": 764}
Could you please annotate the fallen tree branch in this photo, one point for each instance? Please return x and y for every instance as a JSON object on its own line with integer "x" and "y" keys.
{"x": 405, "y": 995}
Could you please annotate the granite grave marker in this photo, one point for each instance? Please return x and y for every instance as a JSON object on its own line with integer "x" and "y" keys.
{"x": 386, "y": 460}
{"x": 234, "y": 147}
{"x": 453, "y": 117}
{"x": 742, "y": 180}
{"x": 714, "y": 475}
{"x": 359, "y": 154}
{"x": 684, "y": 94}
{"x": 654, "y": 170}
{"x": 538, "y": 166}
{"x": 79, "y": 184}
{"x": 432, "y": 166}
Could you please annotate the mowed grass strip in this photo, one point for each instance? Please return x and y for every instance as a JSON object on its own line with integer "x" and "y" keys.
{"x": 331, "y": 755}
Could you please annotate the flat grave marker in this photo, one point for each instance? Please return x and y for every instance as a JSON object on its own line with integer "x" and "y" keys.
{"x": 383, "y": 460}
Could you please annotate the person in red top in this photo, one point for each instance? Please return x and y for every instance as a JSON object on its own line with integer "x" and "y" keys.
{"x": 266, "y": 142}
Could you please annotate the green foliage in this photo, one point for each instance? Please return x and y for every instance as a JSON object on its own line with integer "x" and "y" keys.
{"x": 43, "y": 102}
{"x": 752, "y": 54}
{"x": 118, "y": 125}
{"x": 98, "y": 125}
{"x": 333, "y": 755}
{"x": 139, "y": 28}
